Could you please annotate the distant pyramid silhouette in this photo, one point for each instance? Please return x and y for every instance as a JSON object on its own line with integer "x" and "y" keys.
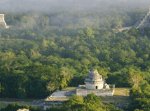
{"x": 143, "y": 22}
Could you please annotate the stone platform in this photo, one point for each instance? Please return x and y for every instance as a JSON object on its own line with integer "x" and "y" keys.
{"x": 82, "y": 91}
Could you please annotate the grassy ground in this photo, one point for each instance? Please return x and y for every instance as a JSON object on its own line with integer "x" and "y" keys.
{"x": 4, "y": 102}
{"x": 68, "y": 88}
{"x": 121, "y": 91}
{"x": 3, "y": 105}
{"x": 15, "y": 100}
{"x": 121, "y": 95}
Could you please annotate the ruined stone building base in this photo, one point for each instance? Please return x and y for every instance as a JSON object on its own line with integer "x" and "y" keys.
{"x": 82, "y": 91}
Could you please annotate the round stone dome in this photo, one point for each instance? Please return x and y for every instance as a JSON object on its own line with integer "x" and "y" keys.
{"x": 93, "y": 76}
{"x": 94, "y": 80}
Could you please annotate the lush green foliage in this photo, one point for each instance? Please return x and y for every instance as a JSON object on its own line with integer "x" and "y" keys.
{"x": 89, "y": 103}
{"x": 39, "y": 56}
{"x": 140, "y": 96}
{"x": 16, "y": 106}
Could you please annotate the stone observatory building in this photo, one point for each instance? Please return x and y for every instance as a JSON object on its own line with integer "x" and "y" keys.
{"x": 95, "y": 83}
{"x": 94, "y": 80}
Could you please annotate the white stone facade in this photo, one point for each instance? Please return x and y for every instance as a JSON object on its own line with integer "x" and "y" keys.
{"x": 94, "y": 86}
{"x": 1, "y": 18}
{"x": 2, "y": 21}
{"x": 23, "y": 110}
{"x": 94, "y": 80}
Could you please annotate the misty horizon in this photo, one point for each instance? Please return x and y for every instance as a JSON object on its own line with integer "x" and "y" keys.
{"x": 72, "y": 5}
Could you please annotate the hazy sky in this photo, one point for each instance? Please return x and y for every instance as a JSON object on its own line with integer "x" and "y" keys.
{"x": 69, "y": 5}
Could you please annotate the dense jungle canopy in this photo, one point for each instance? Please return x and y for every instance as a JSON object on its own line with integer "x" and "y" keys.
{"x": 41, "y": 53}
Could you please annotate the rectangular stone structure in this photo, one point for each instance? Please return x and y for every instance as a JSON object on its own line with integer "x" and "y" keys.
{"x": 2, "y": 21}
{"x": 2, "y": 18}
{"x": 98, "y": 92}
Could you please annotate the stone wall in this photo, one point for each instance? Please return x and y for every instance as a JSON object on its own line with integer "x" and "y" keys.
{"x": 83, "y": 91}
{"x": 49, "y": 104}
{"x": 93, "y": 86}
{"x": 98, "y": 92}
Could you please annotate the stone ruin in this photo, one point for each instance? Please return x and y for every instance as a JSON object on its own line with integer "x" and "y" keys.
{"x": 23, "y": 109}
{"x": 143, "y": 22}
{"x": 2, "y": 21}
{"x": 95, "y": 83}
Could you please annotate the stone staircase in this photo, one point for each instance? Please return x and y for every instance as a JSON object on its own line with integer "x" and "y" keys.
{"x": 142, "y": 21}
